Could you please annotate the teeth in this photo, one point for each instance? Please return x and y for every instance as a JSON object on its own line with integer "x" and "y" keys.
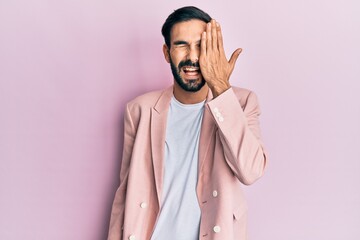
{"x": 190, "y": 69}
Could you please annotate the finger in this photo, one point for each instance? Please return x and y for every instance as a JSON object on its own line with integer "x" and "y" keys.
{"x": 214, "y": 35}
{"x": 220, "y": 40}
{"x": 208, "y": 38}
{"x": 234, "y": 57}
{"x": 203, "y": 44}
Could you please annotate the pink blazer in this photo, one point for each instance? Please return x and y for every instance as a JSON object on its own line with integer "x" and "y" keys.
{"x": 230, "y": 154}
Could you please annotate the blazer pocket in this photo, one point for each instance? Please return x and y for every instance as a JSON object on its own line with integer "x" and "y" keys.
{"x": 239, "y": 212}
{"x": 240, "y": 223}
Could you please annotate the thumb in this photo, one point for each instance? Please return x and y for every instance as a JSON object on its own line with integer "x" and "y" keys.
{"x": 234, "y": 57}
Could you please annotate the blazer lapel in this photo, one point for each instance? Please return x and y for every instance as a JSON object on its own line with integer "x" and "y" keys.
{"x": 207, "y": 130}
{"x": 158, "y": 132}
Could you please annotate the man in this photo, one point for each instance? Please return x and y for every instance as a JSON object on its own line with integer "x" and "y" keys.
{"x": 188, "y": 148}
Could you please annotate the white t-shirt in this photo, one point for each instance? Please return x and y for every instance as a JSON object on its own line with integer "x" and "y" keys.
{"x": 180, "y": 213}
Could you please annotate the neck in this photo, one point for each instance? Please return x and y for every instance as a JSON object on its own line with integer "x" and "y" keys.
{"x": 186, "y": 97}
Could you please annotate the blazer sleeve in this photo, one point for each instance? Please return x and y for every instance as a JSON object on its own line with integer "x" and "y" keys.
{"x": 239, "y": 133}
{"x": 118, "y": 207}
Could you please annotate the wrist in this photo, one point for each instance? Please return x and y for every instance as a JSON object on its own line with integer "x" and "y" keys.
{"x": 219, "y": 89}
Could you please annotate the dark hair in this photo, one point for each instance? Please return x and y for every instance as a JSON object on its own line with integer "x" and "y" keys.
{"x": 181, "y": 15}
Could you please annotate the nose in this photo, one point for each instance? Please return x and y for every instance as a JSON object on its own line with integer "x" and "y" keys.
{"x": 194, "y": 54}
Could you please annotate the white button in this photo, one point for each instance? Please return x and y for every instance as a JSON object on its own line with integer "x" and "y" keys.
{"x": 143, "y": 205}
{"x": 221, "y": 119}
{"x": 215, "y": 193}
{"x": 217, "y": 229}
{"x": 218, "y": 114}
{"x": 216, "y": 110}
{"x": 132, "y": 237}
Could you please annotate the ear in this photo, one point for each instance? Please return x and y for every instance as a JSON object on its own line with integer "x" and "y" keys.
{"x": 166, "y": 52}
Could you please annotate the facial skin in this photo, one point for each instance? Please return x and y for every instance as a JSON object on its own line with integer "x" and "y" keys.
{"x": 184, "y": 53}
{"x": 195, "y": 46}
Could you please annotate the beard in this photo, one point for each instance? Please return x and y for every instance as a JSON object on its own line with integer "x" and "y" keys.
{"x": 191, "y": 85}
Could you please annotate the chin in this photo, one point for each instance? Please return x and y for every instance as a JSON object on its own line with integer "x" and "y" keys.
{"x": 192, "y": 85}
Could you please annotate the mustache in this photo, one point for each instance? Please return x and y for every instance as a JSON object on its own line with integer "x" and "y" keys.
{"x": 188, "y": 63}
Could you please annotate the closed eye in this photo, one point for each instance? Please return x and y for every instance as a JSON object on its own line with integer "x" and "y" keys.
{"x": 180, "y": 43}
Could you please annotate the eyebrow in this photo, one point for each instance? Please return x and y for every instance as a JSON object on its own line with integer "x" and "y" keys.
{"x": 179, "y": 42}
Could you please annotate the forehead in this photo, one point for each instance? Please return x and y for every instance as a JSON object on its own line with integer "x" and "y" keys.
{"x": 188, "y": 31}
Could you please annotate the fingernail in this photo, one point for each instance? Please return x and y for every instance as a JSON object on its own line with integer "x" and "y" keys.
{"x": 217, "y": 24}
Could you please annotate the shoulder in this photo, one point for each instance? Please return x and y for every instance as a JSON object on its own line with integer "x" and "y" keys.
{"x": 147, "y": 100}
{"x": 242, "y": 92}
{"x": 244, "y": 95}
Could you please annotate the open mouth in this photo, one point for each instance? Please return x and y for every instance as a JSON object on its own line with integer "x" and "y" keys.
{"x": 191, "y": 71}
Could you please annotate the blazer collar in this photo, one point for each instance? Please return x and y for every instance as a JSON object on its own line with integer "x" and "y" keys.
{"x": 163, "y": 102}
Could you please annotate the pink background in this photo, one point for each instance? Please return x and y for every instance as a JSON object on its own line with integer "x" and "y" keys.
{"x": 67, "y": 68}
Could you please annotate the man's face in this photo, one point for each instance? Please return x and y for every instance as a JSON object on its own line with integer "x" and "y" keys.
{"x": 184, "y": 54}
